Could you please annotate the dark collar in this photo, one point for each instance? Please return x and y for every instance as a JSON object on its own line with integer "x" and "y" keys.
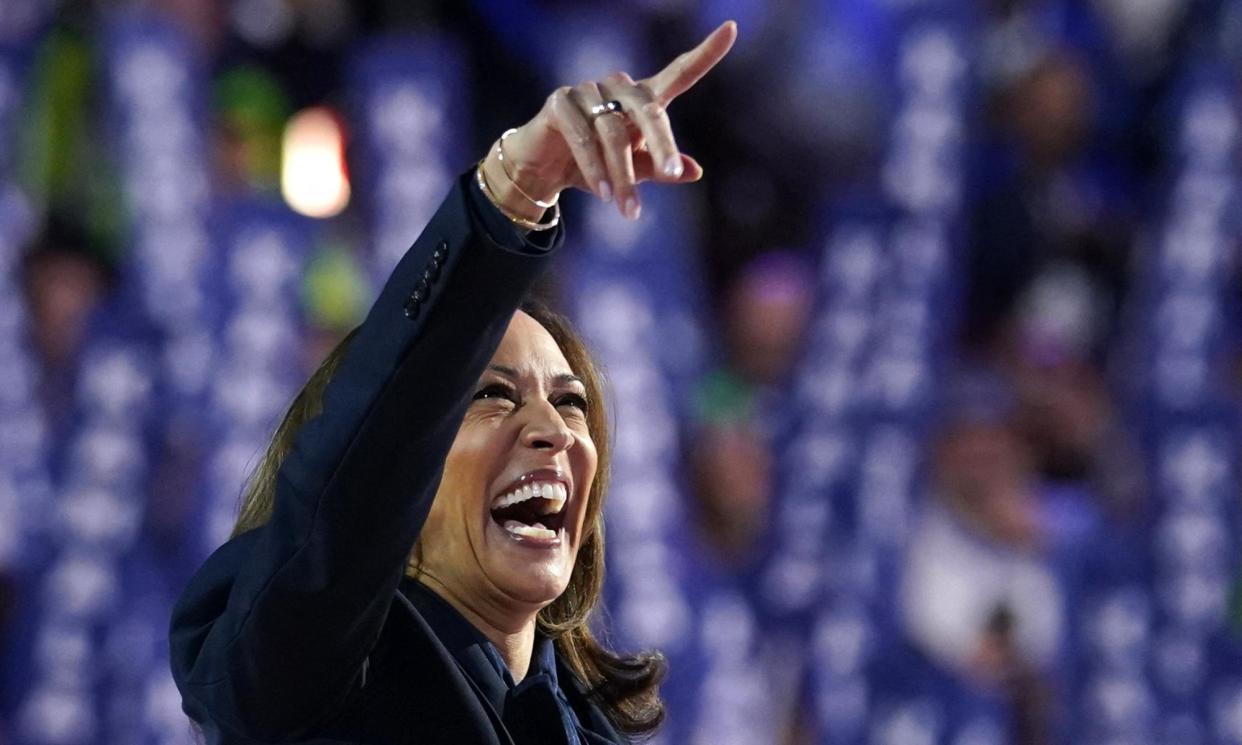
{"x": 468, "y": 645}
{"x": 481, "y": 662}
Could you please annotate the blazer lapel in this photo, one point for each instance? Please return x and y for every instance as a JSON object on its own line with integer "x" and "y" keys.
{"x": 479, "y": 674}
{"x": 431, "y": 664}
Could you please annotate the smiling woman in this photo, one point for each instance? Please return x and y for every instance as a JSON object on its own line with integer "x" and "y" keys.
{"x": 516, "y": 484}
{"x": 569, "y": 518}
{"x": 420, "y": 549}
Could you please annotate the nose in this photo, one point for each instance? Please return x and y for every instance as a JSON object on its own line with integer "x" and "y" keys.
{"x": 544, "y": 429}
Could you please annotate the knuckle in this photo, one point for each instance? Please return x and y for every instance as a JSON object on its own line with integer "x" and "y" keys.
{"x": 559, "y": 96}
{"x": 612, "y": 132}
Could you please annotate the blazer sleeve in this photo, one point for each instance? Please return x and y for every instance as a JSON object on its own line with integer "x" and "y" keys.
{"x": 272, "y": 632}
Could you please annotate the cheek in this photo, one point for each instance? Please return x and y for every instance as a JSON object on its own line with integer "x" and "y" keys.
{"x": 474, "y": 458}
{"x": 584, "y": 463}
{"x": 480, "y": 448}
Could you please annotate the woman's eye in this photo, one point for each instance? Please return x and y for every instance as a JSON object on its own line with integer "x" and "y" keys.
{"x": 496, "y": 391}
{"x": 573, "y": 399}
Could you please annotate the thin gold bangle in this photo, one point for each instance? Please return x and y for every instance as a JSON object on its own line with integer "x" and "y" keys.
{"x": 521, "y": 222}
{"x": 504, "y": 167}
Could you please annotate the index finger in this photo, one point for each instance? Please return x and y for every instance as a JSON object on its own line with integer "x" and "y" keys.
{"x": 688, "y": 68}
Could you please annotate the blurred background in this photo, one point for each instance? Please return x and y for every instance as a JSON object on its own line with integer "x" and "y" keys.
{"x": 926, "y": 396}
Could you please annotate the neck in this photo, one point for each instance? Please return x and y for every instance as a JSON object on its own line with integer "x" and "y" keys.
{"x": 512, "y": 633}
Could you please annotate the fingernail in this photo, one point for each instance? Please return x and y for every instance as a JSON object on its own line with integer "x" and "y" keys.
{"x": 631, "y": 208}
{"x": 605, "y": 191}
{"x": 673, "y": 167}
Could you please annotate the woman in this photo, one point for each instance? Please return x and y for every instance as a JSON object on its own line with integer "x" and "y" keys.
{"x": 422, "y": 544}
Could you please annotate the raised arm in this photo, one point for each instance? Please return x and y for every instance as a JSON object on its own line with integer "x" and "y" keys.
{"x": 271, "y": 635}
{"x": 273, "y": 629}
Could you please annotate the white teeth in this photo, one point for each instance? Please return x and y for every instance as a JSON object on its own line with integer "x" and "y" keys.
{"x": 530, "y": 531}
{"x": 555, "y": 493}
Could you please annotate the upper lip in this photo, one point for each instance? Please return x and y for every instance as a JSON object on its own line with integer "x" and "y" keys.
{"x": 539, "y": 474}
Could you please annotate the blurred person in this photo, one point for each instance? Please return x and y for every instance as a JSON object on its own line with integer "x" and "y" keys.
{"x": 64, "y": 281}
{"x": 983, "y": 589}
{"x": 1050, "y": 111}
{"x": 251, "y": 111}
{"x": 1132, "y": 51}
{"x": 1052, "y": 198}
{"x": 732, "y": 471}
{"x": 1064, "y": 411}
{"x": 767, "y": 308}
{"x": 1079, "y": 446}
{"x": 419, "y": 551}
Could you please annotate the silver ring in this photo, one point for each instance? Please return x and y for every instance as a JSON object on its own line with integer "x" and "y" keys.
{"x": 607, "y": 107}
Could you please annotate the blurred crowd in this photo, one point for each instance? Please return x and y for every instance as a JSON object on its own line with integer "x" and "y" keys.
{"x": 1031, "y": 539}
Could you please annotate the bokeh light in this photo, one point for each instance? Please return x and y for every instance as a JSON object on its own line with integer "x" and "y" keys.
{"x": 313, "y": 176}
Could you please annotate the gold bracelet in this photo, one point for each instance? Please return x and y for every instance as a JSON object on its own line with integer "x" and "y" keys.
{"x": 517, "y": 220}
{"x": 504, "y": 167}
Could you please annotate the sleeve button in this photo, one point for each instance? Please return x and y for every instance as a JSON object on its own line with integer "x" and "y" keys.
{"x": 412, "y": 307}
{"x": 419, "y": 294}
{"x": 440, "y": 254}
{"x": 431, "y": 273}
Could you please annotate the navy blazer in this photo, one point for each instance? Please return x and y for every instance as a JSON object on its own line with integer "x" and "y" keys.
{"x": 298, "y": 631}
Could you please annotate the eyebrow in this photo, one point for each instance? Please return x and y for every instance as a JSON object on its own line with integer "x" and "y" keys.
{"x": 562, "y": 379}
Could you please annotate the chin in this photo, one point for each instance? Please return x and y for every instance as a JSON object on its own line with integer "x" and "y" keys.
{"x": 535, "y": 585}
{"x": 533, "y": 569}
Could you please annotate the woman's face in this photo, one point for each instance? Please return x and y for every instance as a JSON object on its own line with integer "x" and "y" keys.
{"x": 507, "y": 521}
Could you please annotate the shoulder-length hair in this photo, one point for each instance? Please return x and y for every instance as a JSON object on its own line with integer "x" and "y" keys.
{"x": 625, "y": 687}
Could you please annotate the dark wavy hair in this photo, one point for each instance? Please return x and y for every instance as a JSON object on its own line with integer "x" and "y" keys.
{"x": 625, "y": 687}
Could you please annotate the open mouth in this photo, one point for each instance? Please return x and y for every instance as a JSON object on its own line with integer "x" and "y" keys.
{"x": 534, "y": 510}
